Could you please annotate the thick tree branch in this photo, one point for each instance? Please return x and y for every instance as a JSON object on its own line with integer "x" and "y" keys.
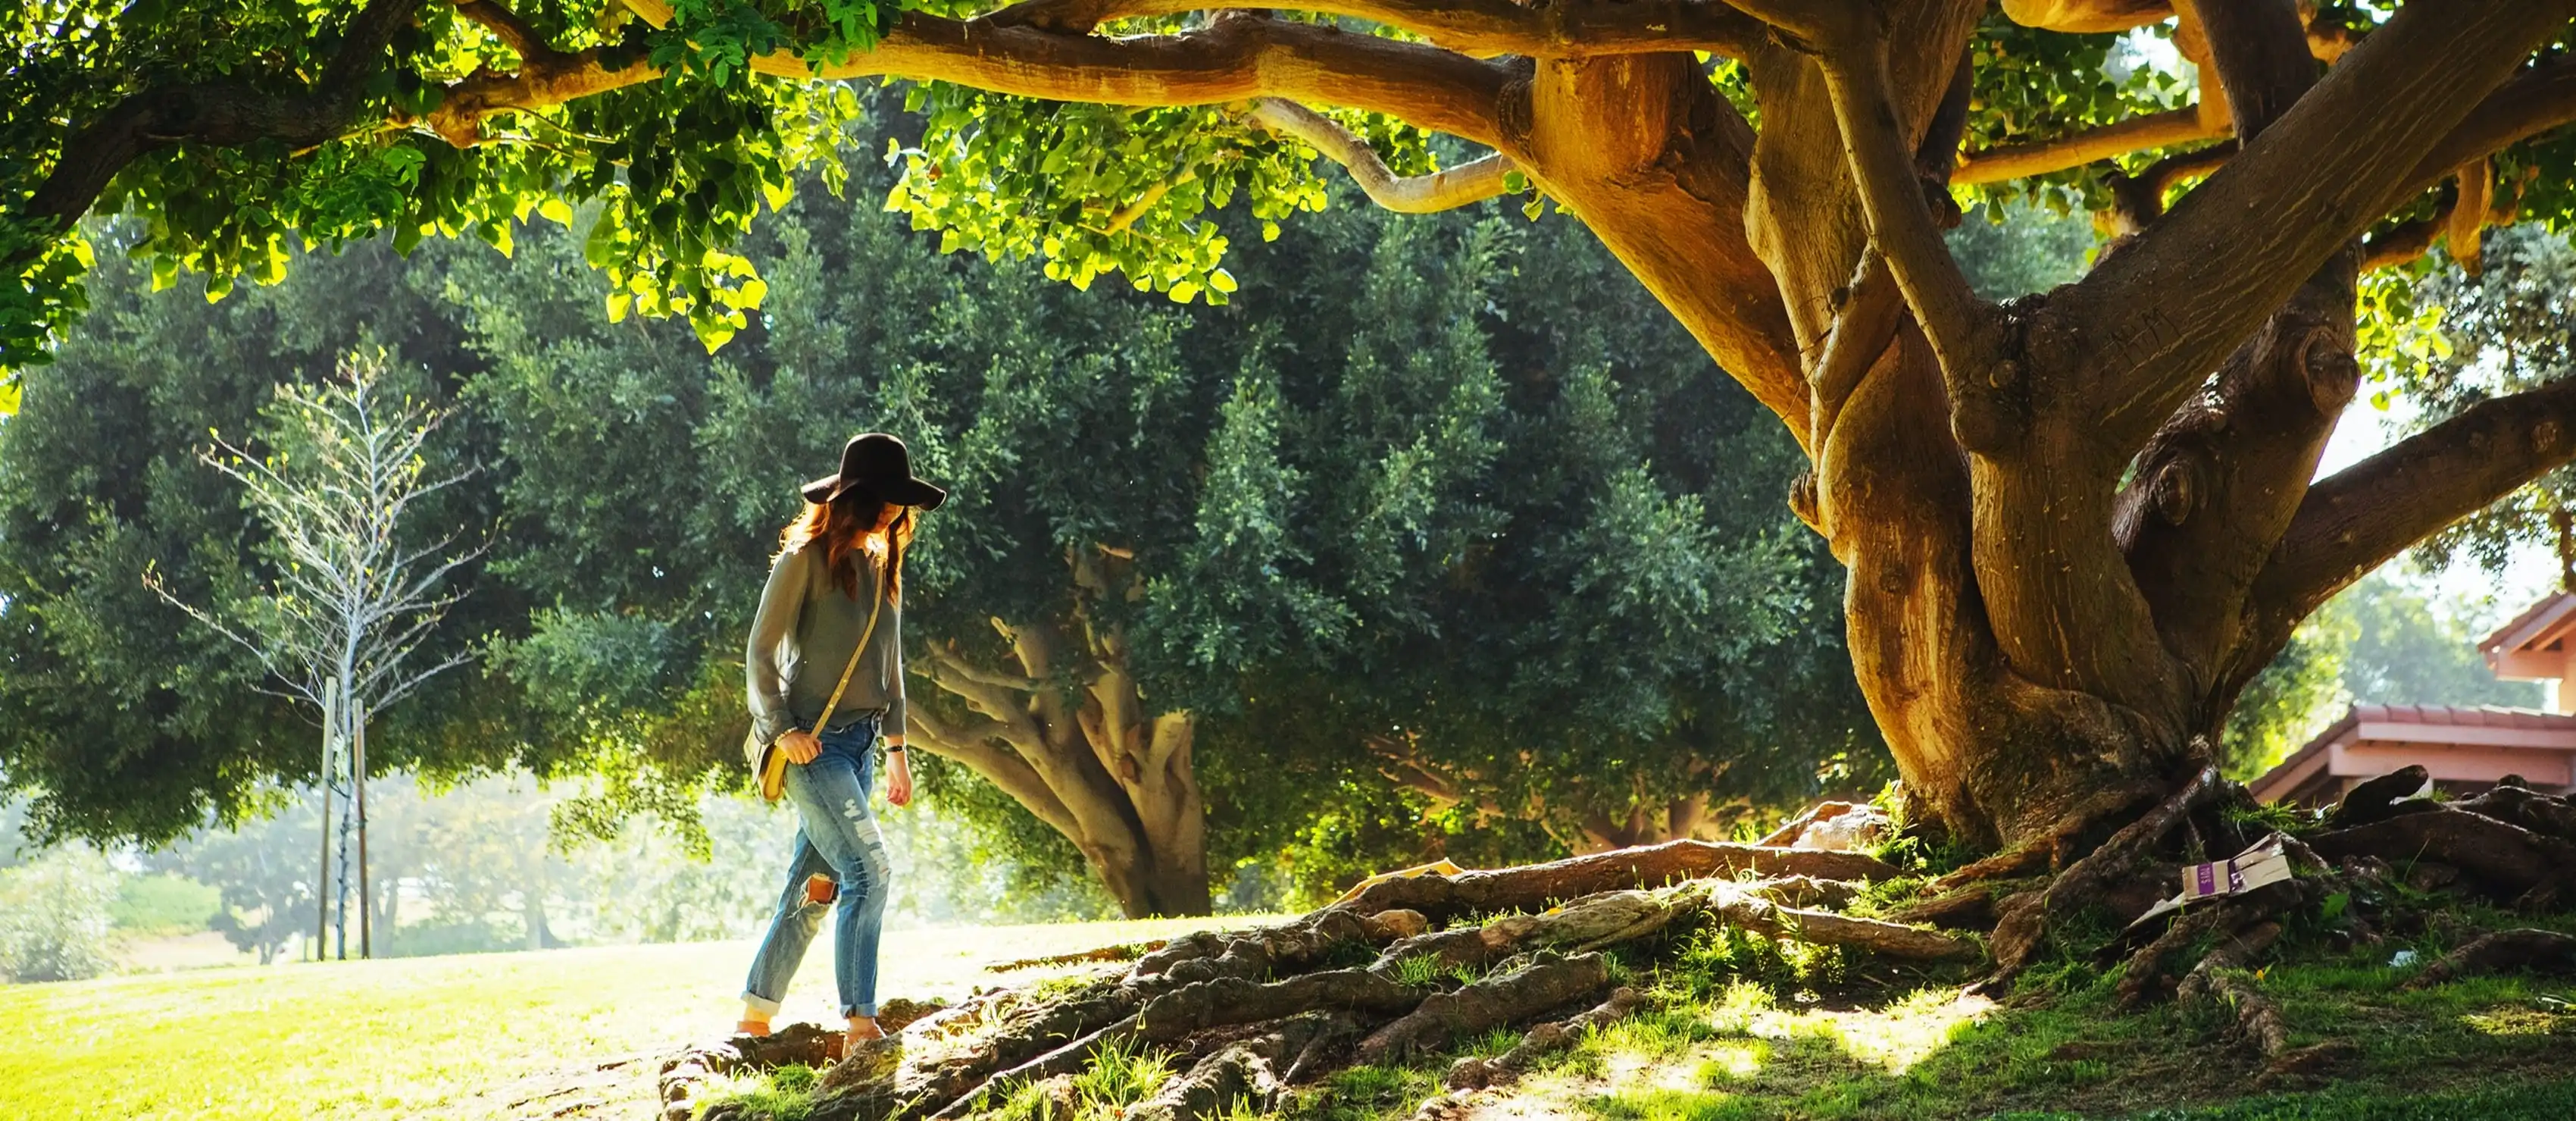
{"x": 219, "y": 114}
{"x": 2039, "y": 157}
{"x": 2541, "y": 98}
{"x": 2220, "y": 480}
{"x": 2259, "y": 49}
{"x": 2087, "y": 15}
{"x": 2151, "y": 320}
{"x": 2538, "y": 99}
{"x": 975, "y": 747}
{"x": 2358, "y": 518}
{"x": 1447, "y": 189}
{"x": 2399, "y": 243}
{"x": 1475, "y": 27}
{"x": 506, "y": 26}
{"x": 1236, "y": 57}
{"x": 1901, "y": 226}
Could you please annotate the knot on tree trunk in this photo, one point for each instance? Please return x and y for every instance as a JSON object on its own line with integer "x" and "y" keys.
{"x": 2326, "y": 365}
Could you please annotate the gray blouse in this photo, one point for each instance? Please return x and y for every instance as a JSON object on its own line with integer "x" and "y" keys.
{"x": 802, "y": 637}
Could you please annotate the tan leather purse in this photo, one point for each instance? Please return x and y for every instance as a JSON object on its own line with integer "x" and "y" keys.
{"x": 770, "y": 763}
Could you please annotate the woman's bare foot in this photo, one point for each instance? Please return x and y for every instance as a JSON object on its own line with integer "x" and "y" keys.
{"x": 863, "y": 1028}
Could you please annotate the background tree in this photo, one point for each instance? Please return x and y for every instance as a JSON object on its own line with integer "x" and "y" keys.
{"x": 99, "y": 482}
{"x": 357, "y": 591}
{"x": 264, "y": 869}
{"x": 2055, "y": 598}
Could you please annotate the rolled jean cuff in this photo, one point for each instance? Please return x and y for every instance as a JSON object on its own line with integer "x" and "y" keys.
{"x": 759, "y": 1003}
{"x": 859, "y": 1011}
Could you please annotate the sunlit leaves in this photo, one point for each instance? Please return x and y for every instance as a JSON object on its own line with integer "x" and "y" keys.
{"x": 1095, "y": 190}
{"x": 681, "y": 166}
{"x": 2038, "y": 85}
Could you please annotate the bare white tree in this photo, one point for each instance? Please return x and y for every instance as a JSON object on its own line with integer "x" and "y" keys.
{"x": 351, "y": 603}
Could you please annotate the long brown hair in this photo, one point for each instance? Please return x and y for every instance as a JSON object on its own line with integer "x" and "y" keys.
{"x": 843, "y": 526}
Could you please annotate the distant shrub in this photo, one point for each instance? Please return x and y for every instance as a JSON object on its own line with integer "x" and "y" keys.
{"x": 430, "y": 939}
{"x": 163, "y": 904}
{"x": 55, "y": 923}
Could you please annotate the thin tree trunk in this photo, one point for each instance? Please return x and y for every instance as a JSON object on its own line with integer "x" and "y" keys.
{"x": 322, "y": 883}
{"x": 366, "y": 896}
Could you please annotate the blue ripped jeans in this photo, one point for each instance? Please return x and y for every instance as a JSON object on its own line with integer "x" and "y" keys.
{"x": 837, "y": 836}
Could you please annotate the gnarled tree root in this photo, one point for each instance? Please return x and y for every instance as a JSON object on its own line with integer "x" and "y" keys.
{"x": 2221, "y": 977}
{"x": 2022, "y": 920}
{"x": 1253, "y": 1011}
{"x": 1474, "y": 1073}
{"x": 1486, "y": 1003}
{"x": 2506, "y": 861}
{"x": 2235, "y": 916}
{"x": 2545, "y": 950}
{"x": 1535, "y": 887}
{"x": 1613, "y": 917}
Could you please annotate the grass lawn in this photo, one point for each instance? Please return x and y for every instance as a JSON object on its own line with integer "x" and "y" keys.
{"x": 562, "y": 1033}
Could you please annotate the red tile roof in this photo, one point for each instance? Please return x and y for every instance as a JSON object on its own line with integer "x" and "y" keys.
{"x": 2484, "y": 716}
{"x": 2552, "y": 604}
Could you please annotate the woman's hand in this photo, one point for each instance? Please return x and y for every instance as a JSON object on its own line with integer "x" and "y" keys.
{"x": 800, "y": 745}
{"x": 899, "y": 779}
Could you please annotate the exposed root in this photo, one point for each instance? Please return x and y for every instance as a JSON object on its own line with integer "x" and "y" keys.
{"x": 2235, "y": 953}
{"x": 1971, "y": 909}
{"x": 2520, "y": 805}
{"x": 1535, "y": 887}
{"x": 1610, "y": 918}
{"x": 2545, "y": 950}
{"x": 1489, "y": 1002}
{"x": 2506, "y": 861}
{"x": 2144, "y": 975}
{"x": 2378, "y": 799}
{"x": 2256, "y": 1016}
{"x": 2012, "y": 863}
{"x": 1233, "y": 1000}
{"x": 683, "y": 1075}
{"x": 2023, "y": 919}
{"x": 1242, "y": 1073}
{"x": 1806, "y": 891}
{"x": 1885, "y": 939}
{"x": 1067, "y": 1059}
{"x": 1473, "y": 1073}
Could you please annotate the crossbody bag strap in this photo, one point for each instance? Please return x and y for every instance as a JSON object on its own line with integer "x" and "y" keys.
{"x": 878, "y": 605}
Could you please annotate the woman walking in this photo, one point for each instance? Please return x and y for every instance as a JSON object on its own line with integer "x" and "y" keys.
{"x": 825, "y": 668}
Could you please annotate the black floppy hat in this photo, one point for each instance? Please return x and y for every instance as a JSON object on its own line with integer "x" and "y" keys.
{"x": 880, "y": 466}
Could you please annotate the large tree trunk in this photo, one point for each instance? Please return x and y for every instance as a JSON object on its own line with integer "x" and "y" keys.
{"x": 1097, "y": 766}
{"x": 2075, "y": 524}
